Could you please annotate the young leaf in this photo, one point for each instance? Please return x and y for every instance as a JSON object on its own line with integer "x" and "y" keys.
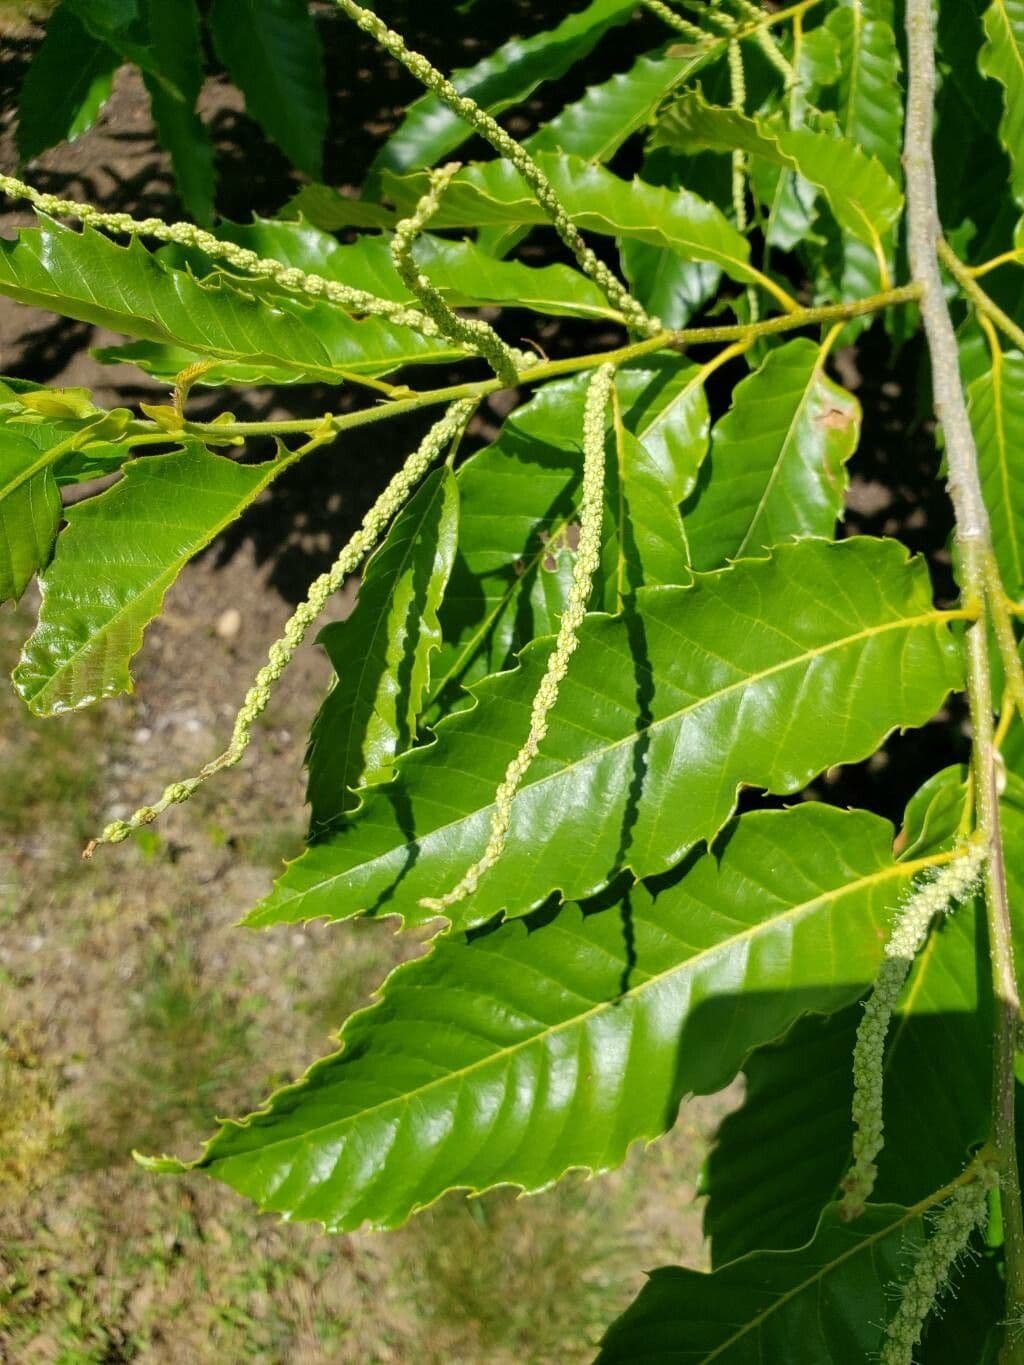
{"x": 120, "y": 553}
{"x": 272, "y": 50}
{"x": 65, "y": 86}
{"x": 826, "y": 1303}
{"x": 87, "y": 276}
{"x": 431, "y": 131}
{"x": 174, "y": 33}
{"x": 777, "y": 467}
{"x": 759, "y": 675}
{"x": 381, "y": 654}
{"x": 865, "y": 200}
{"x": 29, "y": 513}
{"x": 1002, "y": 58}
{"x": 514, "y": 1055}
{"x": 997, "y": 416}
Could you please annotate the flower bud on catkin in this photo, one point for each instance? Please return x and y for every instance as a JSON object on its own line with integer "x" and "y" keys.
{"x": 376, "y": 521}
{"x": 953, "y": 883}
{"x": 954, "y": 1227}
{"x": 588, "y": 557}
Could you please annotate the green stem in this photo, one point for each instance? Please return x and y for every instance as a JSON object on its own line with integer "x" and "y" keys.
{"x": 982, "y": 302}
{"x": 975, "y": 543}
{"x": 553, "y": 369}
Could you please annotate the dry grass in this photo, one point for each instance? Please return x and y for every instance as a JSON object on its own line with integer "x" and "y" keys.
{"x": 133, "y": 1012}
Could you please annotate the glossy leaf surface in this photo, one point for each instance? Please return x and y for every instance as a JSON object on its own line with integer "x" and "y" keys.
{"x": 382, "y": 653}
{"x": 663, "y": 726}
{"x": 777, "y": 468}
{"x": 430, "y": 130}
{"x": 860, "y": 192}
{"x": 85, "y": 275}
{"x": 120, "y": 553}
{"x": 997, "y": 417}
{"x": 512, "y": 1055}
{"x": 824, "y": 1304}
{"x": 272, "y": 50}
{"x": 1002, "y": 58}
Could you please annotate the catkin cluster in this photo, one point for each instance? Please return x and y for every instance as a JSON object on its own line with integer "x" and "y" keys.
{"x": 613, "y": 289}
{"x": 588, "y": 558}
{"x": 934, "y": 1268}
{"x": 941, "y": 893}
{"x": 376, "y": 521}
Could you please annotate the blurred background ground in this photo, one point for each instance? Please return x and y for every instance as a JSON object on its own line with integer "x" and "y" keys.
{"x": 132, "y": 1011}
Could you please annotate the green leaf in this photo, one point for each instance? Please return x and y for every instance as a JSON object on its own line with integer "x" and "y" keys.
{"x": 869, "y": 115}
{"x": 671, "y": 709}
{"x": 494, "y": 194}
{"x": 824, "y": 1304}
{"x": 84, "y": 275}
{"x": 465, "y": 275}
{"x": 272, "y": 51}
{"x": 65, "y": 87}
{"x": 667, "y": 284}
{"x": 644, "y": 544}
{"x": 511, "y": 576}
{"x": 996, "y": 402}
{"x": 864, "y": 198}
{"x": 779, "y": 1159}
{"x": 174, "y": 33}
{"x": 120, "y": 553}
{"x": 430, "y": 130}
{"x": 777, "y": 468}
{"x": 381, "y": 654}
{"x": 596, "y": 126}
{"x": 1002, "y": 58}
{"x": 513, "y": 1055}
{"x": 30, "y": 512}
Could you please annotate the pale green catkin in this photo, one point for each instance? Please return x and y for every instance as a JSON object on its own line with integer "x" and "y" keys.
{"x": 765, "y": 41}
{"x": 588, "y": 557}
{"x": 376, "y": 521}
{"x": 613, "y": 289}
{"x": 953, "y": 883}
{"x": 738, "y": 90}
{"x": 187, "y": 234}
{"x": 676, "y": 21}
{"x": 472, "y": 333}
{"x": 963, "y": 1214}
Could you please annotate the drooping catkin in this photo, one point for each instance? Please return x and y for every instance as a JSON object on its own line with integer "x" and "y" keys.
{"x": 675, "y": 21}
{"x": 428, "y": 75}
{"x": 765, "y": 41}
{"x": 588, "y": 557}
{"x": 952, "y": 884}
{"x": 472, "y": 333}
{"x": 376, "y": 521}
{"x": 963, "y": 1214}
{"x": 188, "y": 235}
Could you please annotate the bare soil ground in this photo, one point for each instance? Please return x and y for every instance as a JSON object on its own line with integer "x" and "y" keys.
{"x": 132, "y": 1011}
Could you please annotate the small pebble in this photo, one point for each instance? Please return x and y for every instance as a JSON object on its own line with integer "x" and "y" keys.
{"x": 229, "y": 623}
